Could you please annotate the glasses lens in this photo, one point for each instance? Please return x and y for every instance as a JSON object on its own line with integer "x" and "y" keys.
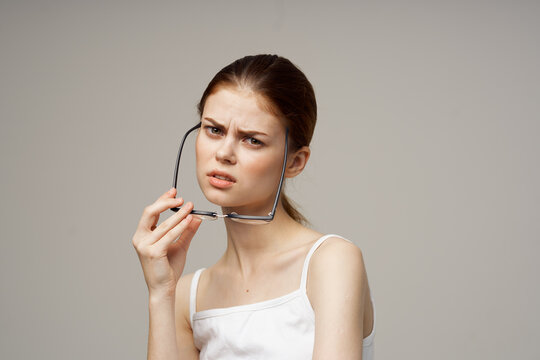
{"x": 249, "y": 221}
{"x": 203, "y": 215}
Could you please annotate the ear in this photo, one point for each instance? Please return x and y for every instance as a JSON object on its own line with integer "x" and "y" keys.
{"x": 297, "y": 161}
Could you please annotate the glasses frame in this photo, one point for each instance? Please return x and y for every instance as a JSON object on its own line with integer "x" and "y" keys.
{"x": 214, "y": 215}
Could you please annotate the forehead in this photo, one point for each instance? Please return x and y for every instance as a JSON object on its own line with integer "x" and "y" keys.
{"x": 240, "y": 108}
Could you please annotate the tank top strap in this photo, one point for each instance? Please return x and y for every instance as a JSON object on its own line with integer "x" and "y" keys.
{"x": 193, "y": 294}
{"x": 303, "y": 282}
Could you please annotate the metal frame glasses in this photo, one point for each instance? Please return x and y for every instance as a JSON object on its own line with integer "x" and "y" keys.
{"x": 212, "y": 215}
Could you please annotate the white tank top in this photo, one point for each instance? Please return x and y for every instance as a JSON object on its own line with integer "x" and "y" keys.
{"x": 280, "y": 328}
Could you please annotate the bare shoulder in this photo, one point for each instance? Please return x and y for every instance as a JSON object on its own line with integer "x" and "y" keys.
{"x": 334, "y": 251}
{"x": 336, "y": 265}
{"x": 337, "y": 289}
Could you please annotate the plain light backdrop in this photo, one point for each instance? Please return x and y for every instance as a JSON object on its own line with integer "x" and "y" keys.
{"x": 426, "y": 155}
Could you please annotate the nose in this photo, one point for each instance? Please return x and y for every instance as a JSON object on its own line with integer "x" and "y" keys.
{"x": 225, "y": 152}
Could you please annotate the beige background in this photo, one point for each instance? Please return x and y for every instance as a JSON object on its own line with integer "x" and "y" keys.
{"x": 425, "y": 155}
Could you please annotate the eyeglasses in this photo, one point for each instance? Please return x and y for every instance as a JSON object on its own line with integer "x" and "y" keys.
{"x": 212, "y": 215}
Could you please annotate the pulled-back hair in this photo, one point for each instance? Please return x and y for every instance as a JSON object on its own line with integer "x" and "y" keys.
{"x": 286, "y": 92}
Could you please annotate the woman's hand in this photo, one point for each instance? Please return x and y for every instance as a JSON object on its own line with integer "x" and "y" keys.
{"x": 162, "y": 250}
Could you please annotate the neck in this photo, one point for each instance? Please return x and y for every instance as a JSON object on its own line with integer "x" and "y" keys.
{"x": 251, "y": 247}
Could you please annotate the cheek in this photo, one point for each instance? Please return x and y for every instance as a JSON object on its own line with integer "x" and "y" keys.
{"x": 201, "y": 155}
{"x": 263, "y": 171}
{"x": 204, "y": 148}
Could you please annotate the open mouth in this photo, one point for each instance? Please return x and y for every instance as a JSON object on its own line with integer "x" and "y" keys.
{"x": 223, "y": 178}
{"x": 221, "y": 175}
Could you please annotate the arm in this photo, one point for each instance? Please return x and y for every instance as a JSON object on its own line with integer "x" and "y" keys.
{"x": 170, "y": 334}
{"x": 162, "y": 251}
{"x": 338, "y": 292}
{"x": 184, "y": 333}
{"x": 161, "y": 333}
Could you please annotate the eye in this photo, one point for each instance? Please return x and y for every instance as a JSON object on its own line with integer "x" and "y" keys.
{"x": 253, "y": 141}
{"x": 213, "y": 130}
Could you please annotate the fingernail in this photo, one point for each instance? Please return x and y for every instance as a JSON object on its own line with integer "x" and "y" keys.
{"x": 189, "y": 217}
{"x": 171, "y": 191}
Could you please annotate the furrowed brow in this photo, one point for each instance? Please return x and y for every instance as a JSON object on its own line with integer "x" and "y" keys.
{"x": 214, "y": 122}
{"x": 251, "y": 132}
{"x": 240, "y": 131}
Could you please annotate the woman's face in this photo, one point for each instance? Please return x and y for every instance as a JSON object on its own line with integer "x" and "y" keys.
{"x": 239, "y": 150}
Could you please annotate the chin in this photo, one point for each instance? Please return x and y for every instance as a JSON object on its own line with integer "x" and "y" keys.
{"x": 233, "y": 201}
{"x": 219, "y": 197}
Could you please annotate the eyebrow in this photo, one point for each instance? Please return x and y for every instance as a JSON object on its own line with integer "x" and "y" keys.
{"x": 243, "y": 132}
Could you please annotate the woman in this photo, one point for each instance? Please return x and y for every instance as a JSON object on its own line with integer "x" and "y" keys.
{"x": 257, "y": 301}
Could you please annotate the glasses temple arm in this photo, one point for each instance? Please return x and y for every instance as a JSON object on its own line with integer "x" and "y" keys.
{"x": 282, "y": 172}
{"x": 175, "y": 178}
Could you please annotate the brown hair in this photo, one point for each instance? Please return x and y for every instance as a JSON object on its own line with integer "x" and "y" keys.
{"x": 287, "y": 93}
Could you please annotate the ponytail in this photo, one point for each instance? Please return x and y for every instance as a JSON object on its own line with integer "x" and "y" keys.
{"x": 292, "y": 211}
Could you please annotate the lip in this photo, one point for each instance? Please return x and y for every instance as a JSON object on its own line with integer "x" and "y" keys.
{"x": 221, "y": 173}
{"x": 220, "y": 183}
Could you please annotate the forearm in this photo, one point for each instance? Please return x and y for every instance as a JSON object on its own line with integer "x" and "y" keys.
{"x": 162, "y": 331}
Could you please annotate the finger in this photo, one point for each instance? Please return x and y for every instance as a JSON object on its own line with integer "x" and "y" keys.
{"x": 189, "y": 232}
{"x": 151, "y": 213}
{"x": 174, "y": 233}
{"x": 168, "y": 194}
{"x": 171, "y": 222}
